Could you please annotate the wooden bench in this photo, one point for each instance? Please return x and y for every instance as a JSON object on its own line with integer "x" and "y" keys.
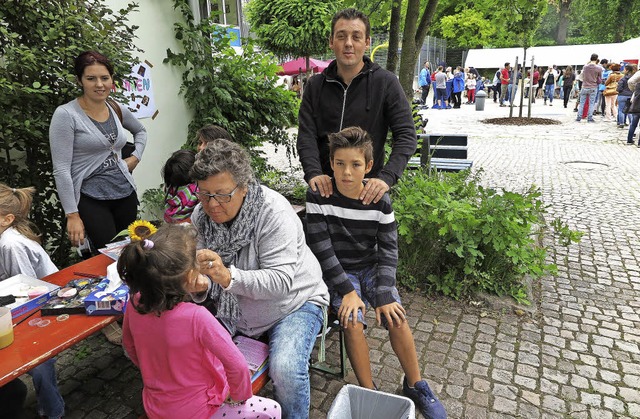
{"x": 445, "y": 153}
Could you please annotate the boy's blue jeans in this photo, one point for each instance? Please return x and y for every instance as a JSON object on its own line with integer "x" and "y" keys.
{"x": 291, "y": 341}
{"x": 50, "y": 402}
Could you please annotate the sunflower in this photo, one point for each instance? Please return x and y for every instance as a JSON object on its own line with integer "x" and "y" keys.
{"x": 141, "y": 229}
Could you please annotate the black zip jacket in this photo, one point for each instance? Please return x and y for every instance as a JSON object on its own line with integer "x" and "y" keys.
{"x": 374, "y": 101}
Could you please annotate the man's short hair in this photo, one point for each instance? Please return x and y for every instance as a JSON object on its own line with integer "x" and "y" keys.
{"x": 594, "y": 57}
{"x": 351, "y": 14}
{"x": 352, "y": 137}
{"x": 506, "y": 65}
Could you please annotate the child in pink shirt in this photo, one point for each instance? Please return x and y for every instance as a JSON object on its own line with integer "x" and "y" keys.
{"x": 190, "y": 366}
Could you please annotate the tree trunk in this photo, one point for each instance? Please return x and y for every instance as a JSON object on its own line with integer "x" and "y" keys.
{"x": 625, "y": 7}
{"x": 563, "y": 22}
{"x": 412, "y": 39}
{"x": 394, "y": 36}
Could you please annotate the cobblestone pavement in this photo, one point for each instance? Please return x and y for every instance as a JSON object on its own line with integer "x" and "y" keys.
{"x": 574, "y": 354}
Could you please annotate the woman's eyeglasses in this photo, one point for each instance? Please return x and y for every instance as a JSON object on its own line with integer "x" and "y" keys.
{"x": 221, "y": 198}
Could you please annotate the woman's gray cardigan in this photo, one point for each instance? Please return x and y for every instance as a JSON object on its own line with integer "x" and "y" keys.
{"x": 78, "y": 148}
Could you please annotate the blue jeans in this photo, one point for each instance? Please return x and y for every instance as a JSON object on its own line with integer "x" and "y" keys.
{"x": 291, "y": 341}
{"x": 632, "y": 127}
{"x": 591, "y": 92}
{"x": 622, "y": 117}
{"x": 50, "y": 402}
{"x": 549, "y": 89}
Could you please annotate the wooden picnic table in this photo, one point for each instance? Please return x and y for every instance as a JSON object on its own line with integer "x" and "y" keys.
{"x": 34, "y": 345}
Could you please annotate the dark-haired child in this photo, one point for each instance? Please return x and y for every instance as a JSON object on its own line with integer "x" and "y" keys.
{"x": 357, "y": 248}
{"x": 180, "y": 192}
{"x": 190, "y": 367}
{"x": 21, "y": 253}
{"x": 209, "y": 133}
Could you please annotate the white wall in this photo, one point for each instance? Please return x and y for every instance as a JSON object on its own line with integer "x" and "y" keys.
{"x": 168, "y": 131}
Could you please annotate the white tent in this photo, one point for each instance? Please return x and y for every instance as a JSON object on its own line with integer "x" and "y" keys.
{"x": 560, "y": 55}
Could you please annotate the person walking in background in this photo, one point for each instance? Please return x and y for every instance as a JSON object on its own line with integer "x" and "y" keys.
{"x": 441, "y": 89}
{"x": 577, "y": 87}
{"x": 635, "y": 117}
{"x": 567, "y": 84}
{"x": 591, "y": 76}
{"x": 354, "y": 91}
{"x": 458, "y": 88}
{"x": 535, "y": 79}
{"x": 600, "y": 102}
{"x": 624, "y": 94}
{"x": 357, "y": 247}
{"x": 504, "y": 82}
{"x": 424, "y": 81}
{"x": 549, "y": 78}
{"x": 610, "y": 93}
{"x": 471, "y": 89}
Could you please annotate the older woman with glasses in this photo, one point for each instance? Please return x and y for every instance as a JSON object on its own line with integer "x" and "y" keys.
{"x": 259, "y": 275}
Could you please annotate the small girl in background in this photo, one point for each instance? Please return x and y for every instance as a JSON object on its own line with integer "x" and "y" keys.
{"x": 180, "y": 198}
{"x": 21, "y": 253}
{"x": 190, "y": 366}
{"x": 471, "y": 89}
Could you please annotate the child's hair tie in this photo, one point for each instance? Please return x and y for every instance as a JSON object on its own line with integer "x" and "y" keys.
{"x": 147, "y": 244}
{"x": 13, "y": 190}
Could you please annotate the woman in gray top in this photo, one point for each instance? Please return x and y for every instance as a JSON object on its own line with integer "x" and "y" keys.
{"x": 261, "y": 277}
{"x": 86, "y": 135}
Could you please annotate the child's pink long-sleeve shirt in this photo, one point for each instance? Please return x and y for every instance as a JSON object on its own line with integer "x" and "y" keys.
{"x": 185, "y": 357}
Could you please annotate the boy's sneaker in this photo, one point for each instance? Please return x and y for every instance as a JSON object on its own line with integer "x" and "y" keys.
{"x": 426, "y": 402}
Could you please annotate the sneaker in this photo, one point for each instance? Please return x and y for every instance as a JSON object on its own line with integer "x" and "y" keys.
{"x": 550, "y": 104}
{"x": 426, "y": 402}
{"x": 591, "y": 120}
{"x": 575, "y": 109}
{"x": 577, "y": 119}
{"x": 629, "y": 143}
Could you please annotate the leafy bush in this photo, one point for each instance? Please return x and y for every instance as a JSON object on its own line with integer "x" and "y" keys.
{"x": 458, "y": 237}
{"x": 38, "y": 43}
{"x": 222, "y": 87}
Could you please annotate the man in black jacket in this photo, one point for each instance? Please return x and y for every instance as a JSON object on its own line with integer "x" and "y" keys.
{"x": 354, "y": 91}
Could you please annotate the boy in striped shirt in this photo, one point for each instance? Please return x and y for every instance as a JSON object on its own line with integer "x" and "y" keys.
{"x": 357, "y": 248}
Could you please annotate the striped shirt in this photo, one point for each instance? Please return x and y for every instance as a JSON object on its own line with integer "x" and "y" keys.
{"x": 346, "y": 235}
{"x": 180, "y": 202}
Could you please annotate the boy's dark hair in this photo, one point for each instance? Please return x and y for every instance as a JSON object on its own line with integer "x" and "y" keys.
{"x": 157, "y": 267}
{"x": 212, "y": 132}
{"x": 351, "y": 14}
{"x": 594, "y": 57}
{"x": 506, "y": 65}
{"x": 175, "y": 171}
{"x": 352, "y": 137}
{"x": 604, "y": 61}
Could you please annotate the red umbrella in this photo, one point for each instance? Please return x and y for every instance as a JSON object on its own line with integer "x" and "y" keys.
{"x": 294, "y": 67}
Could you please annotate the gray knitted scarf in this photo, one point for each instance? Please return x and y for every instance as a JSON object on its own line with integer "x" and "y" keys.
{"x": 226, "y": 240}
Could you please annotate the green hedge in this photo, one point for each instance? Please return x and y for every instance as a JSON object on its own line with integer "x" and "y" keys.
{"x": 457, "y": 237}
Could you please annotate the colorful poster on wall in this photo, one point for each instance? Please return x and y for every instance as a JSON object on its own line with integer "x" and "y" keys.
{"x": 139, "y": 89}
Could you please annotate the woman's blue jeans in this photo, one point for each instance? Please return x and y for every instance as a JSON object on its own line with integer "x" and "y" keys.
{"x": 549, "y": 89}
{"x": 291, "y": 341}
{"x": 50, "y": 402}
{"x": 622, "y": 117}
{"x": 632, "y": 128}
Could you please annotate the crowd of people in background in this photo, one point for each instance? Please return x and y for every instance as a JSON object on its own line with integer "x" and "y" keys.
{"x": 609, "y": 88}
